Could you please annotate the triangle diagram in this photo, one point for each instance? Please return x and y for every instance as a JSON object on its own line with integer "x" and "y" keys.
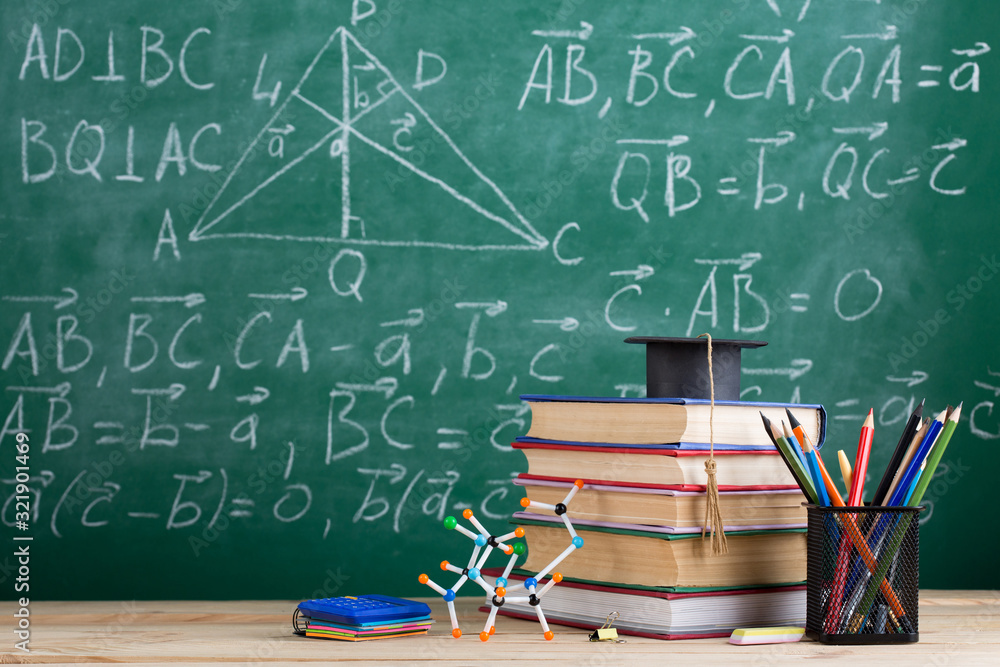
{"x": 350, "y": 157}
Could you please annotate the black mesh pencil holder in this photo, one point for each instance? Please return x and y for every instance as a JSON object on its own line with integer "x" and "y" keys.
{"x": 862, "y": 574}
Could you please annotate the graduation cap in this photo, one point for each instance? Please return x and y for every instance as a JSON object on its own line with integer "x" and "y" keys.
{"x": 678, "y": 367}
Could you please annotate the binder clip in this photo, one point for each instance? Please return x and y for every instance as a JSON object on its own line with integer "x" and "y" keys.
{"x": 606, "y": 633}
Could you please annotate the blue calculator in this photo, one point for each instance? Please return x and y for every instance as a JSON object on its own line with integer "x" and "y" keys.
{"x": 364, "y": 609}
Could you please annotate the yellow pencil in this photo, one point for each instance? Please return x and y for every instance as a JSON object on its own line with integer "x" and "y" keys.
{"x": 845, "y": 470}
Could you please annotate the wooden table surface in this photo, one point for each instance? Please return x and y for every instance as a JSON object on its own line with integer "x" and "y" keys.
{"x": 957, "y": 628}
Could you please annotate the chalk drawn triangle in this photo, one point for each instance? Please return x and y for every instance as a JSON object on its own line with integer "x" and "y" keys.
{"x": 354, "y": 124}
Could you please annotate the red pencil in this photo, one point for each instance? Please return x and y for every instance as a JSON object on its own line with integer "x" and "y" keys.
{"x": 861, "y": 460}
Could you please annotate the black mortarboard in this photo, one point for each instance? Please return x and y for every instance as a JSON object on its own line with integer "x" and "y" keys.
{"x": 678, "y": 367}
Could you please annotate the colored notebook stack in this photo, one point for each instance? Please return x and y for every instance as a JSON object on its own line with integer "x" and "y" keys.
{"x": 642, "y": 509}
{"x": 363, "y": 618}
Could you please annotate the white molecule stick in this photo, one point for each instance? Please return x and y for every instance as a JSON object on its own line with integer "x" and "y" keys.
{"x": 556, "y": 578}
{"x": 541, "y": 621}
{"x": 485, "y": 543}
{"x": 558, "y": 559}
{"x": 490, "y": 627}
{"x": 572, "y": 492}
{"x": 456, "y": 632}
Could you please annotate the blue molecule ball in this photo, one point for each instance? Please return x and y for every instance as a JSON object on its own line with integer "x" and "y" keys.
{"x": 530, "y": 581}
{"x": 501, "y": 582}
{"x": 449, "y": 595}
{"x": 480, "y": 540}
{"x": 473, "y": 573}
{"x": 577, "y": 541}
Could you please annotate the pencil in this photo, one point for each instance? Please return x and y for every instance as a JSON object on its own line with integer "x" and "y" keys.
{"x": 831, "y": 488}
{"x": 861, "y": 460}
{"x": 794, "y": 464}
{"x": 912, "y": 424}
{"x": 910, "y": 451}
{"x": 781, "y": 454}
{"x": 767, "y": 427}
{"x": 845, "y": 470}
{"x": 935, "y": 457}
{"x": 797, "y": 447}
{"x": 821, "y": 495}
{"x": 899, "y": 493}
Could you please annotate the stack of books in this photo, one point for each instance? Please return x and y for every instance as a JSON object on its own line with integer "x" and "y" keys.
{"x": 642, "y": 509}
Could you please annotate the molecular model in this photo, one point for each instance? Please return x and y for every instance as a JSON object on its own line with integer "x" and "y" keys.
{"x": 499, "y": 590}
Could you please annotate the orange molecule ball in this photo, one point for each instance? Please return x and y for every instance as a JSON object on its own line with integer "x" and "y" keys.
{"x": 423, "y": 578}
{"x": 556, "y": 577}
{"x": 467, "y": 513}
{"x": 578, "y": 483}
{"x": 525, "y": 502}
{"x": 484, "y": 636}
{"x": 549, "y": 635}
{"x": 456, "y": 633}
{"x": 493, "y": 629}
{"x": 444, "y": 565}
{"x": 501, "y": 591}
{"x": 519, "y": 532}
{"x": 507, "y": 549}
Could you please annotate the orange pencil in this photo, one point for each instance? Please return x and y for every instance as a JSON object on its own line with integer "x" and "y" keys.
{"x": 861, "y": 460}
{"x": 800, "y": 433}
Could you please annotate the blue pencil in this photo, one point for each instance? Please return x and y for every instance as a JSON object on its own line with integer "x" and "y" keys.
{"x": 812, "y": 456}
{"x": 913, "y": 487}
{"x": 899, "y": 493}
{"x": 790, "y": 437}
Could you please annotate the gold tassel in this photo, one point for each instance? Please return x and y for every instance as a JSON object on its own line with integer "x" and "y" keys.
{"x": 713, "y": 511}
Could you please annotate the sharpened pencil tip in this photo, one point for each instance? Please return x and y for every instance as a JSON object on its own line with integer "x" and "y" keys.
{"x": 956, "y": 412}
{"x": 870, "y": 419}
{"x": 767, "y": 428}
{"x": 792, "y": 420}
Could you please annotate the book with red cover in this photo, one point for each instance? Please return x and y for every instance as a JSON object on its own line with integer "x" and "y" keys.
{"x": 683, "y": 469}
{"x": 669, "y": 509}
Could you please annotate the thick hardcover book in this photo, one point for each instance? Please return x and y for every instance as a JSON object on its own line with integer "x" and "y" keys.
{"x": 665, "y": 445}
{"x": 671, "y": 467}
{"x": 672, "y": 509}
{"x": 653, "y": 559}
{"x": 667, "y": 615}
{"x": 679, "y": 422}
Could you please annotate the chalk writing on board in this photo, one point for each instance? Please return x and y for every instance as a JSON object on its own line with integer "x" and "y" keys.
{"x": 366, "y": 85}
{"x": 366, "y": 376}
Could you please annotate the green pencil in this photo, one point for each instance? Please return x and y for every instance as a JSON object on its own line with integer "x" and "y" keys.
{"x": 935, "y": 457}
{"x": 795, "y": 464}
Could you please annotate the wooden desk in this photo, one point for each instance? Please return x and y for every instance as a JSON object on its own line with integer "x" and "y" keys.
{"x": 957, "y": 628}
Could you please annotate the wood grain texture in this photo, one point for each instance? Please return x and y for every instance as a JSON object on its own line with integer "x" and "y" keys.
{"x": 956, "y": 628}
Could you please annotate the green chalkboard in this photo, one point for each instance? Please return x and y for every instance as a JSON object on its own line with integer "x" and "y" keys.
{"x": 275, "y": 274}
